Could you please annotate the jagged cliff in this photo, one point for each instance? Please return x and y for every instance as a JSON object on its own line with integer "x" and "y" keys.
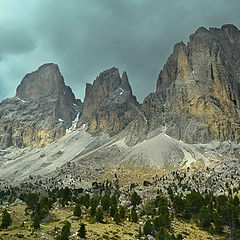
{"x": 109, "y": 105}
{"x": 43, "y": 108}
{"x": 197, "y": 99}
{"x": 198, "y": 90}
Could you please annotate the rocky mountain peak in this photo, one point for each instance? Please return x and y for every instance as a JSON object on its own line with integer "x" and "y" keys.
{"x": 43, "y": 109}
{"x": 125, "y": 82}
{"x": 200, "y": 86}
{"x": 46, "y": 80}
{"x": 108, "y": 85}
{"x": 197, "y": 98}
{"x": 229, "y": 28}
{"x": 107, "y": 102}
{"x": 201, "y": 30}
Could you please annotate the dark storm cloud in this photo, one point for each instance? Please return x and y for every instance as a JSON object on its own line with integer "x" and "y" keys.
{"x": 14, "y": 41}
{"x": 87, "y": 36}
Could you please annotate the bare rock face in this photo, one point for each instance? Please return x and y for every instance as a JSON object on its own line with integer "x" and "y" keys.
{"x": 198, "y": 90}
{"x": 197, "y": 99}
{"x": 46, "y": 80}
{"x": 43, "y": 108}
{"x": 109, "y": 105}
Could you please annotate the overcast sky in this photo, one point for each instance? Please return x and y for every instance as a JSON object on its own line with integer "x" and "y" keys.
{"x": 85, "y": 37}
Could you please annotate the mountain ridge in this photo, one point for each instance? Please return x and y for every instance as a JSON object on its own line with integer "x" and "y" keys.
{"x": 196, "y": 98}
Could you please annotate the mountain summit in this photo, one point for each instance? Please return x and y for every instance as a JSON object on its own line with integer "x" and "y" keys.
{"x": 197, "y": 99}
{"x": 46, "y": 80}
{"x": 43, "y": 108}
{"x": 198, "y": 91}
{"x": 109, "y": 105}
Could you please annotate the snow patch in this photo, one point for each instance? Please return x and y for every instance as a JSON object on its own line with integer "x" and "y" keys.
{"x": 74, "y": 125}
{"x": 121, "y": 91}
{"x": 21, "y": 100}
{"x": 60, "y": 120}
{"x": 83, "y": 127}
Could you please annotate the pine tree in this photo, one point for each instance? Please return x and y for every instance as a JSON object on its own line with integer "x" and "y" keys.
{"x": 99, "y": 215}
{"x": 82, "y": 231}
{"x": 122, "y": 212}
{"x": 113, "y": 200}
{"x": 93, "y": 210}
{"x": 65, "y": 233}
{"x": 93, "y": 205}
{"x": 164, "y": 235}
{"x": 86, "y": 201}
{"x": 134, "y": 215}
{"x": 77, "y": 211}
{"x": 218, "y": 222}
{"x": 117, "y": 218}
{"x": 135, "y": 199}
{"x": 36, "y": 221}
{"x": 6, "y": 219}
{"x": 149, "y": 207}
{"x": 205, "y": 217}
{"x": 113, "y": 210}
{"x": 66, "y": 195}
{"x": 148, "y": 228}
{"x": 105, "y": 202}
{"x": 32, "y": 201}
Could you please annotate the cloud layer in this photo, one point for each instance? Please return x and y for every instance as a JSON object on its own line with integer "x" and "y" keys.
{"x": 86, "y": 37}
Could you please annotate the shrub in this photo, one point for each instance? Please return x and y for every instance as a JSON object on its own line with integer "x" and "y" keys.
{"x": 36, "y": 221}
{"x": 6, "y": 219}
{"x": 82, "y": 231}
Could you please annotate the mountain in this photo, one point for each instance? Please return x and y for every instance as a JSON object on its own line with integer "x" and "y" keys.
{"x": 43, "y": 108}
{"x": 178, "y": 149}
{"x": 198, "y": 91}
{"x": 193, "y": 117}
{"x": 109, "y": 104}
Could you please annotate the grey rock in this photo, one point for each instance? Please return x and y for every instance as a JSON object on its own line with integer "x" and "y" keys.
{"x": 109, "y": 105}
{"x": 198, "y": 91}
{"x": 43, "y": 108}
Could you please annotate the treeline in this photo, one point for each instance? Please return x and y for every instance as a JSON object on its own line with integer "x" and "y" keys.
{"x": 212, "y": 213}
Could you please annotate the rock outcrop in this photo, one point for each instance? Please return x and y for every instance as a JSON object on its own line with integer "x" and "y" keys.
{"x": 198, "y": 91}
{"x": 109, "y": 105}
{"x": 43, "y": 108}
{"x": 197, "y": 99}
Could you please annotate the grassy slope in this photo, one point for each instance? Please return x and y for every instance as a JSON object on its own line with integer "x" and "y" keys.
{"x": 108, "y": 230}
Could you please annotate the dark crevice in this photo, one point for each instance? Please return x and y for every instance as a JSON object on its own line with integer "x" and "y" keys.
{"x": 212, "y": 75}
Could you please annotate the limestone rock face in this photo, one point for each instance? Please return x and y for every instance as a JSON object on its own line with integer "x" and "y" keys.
{"x": 46, "y": 80}
{"x": 198, "y": 90}
{"x": 43, "y": 108}
{"x": 109, "y": 105}
{"x": 151, "y": 118}
{"x": 197, "y": 99}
